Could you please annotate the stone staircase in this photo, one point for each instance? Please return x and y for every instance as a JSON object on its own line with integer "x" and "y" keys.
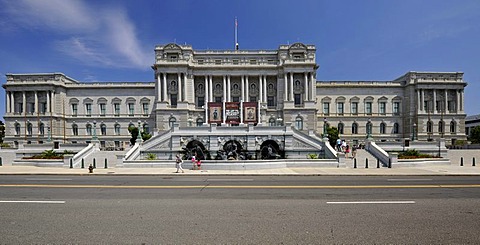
{"x": 361, "y": 157}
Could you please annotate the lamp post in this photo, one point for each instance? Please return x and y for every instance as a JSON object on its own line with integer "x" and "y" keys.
{"x": 94, "y": 137}
{"x": 139, "y": 136}
{"x": 413, "y": 133}
{"x": 325, "y": 134}
{"x": 49, "y": 139}
{"x": 369, "y": 129}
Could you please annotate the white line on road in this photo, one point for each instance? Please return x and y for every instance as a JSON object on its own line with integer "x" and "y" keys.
{"x": 409, "y": 179}
{"x": 374, "y": 202}
{"x": 42, "y": 179}
{"x": 54, "y": 202}
{"x": 229, "y": 179}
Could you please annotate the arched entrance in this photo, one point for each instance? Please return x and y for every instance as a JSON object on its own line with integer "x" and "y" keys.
{"x": 193, "y": 148}
{"x": 232, "y": 150}
{"x": 271, "y": 150}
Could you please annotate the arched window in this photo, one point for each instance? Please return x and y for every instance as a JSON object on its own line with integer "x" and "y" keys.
{"x": 199, "y": 122}
{"x": 17, "y": 128}
{"x": 299, "y": 123}
{"x": 103, "y": 129}
{"x": 271, "y": 121}
{"x": 453, "y": 127}
{"x": 117, "y": 129}
{"x": 354, "y": 128}
{"x": 172, "y": 121}
{"x": 383, "y": 128}
{"x": 429, "y": 127}
{"x": 29, "y": 129}
{"x": 146, "y": 128}
{"x": 341, "y": 126}
{"x": 89, "y": 129}
{"x": 441, "y": 127}
{"x": 396, "y": 128}
{"x": 75, "y": 129}
{"x": 41, "y": 129}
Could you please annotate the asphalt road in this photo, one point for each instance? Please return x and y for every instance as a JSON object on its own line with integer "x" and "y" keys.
{"x": 244, "y": 209}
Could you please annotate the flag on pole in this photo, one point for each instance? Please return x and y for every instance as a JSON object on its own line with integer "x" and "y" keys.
{"x": 236, "y": 34}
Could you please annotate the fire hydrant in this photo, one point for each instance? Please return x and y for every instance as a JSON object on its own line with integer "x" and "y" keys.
{"x": 90, "y": 169}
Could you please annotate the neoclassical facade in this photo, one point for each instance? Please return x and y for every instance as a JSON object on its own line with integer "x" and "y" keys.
{"x": 233, "y": 88}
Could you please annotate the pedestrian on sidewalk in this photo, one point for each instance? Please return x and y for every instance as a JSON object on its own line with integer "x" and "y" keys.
{"x": 178, "y": 164}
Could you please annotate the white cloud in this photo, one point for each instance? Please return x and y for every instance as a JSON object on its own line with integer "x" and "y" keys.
{"x": 95, "y": 35}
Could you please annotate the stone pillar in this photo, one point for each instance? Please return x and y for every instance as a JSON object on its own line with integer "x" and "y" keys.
{"x": 206, "y": 101}
{"x": 247, "y": 95}
{"x": 445, "y": 106}
{"x": 54, "y": 97}
{"x": 457, "y": 106}
{"x": 260, "y": 87}
{"x": 7, "y": 102}
{"x": 461, "y": 101}
{"x": 419, "y": 103}
{"x": 265, "y": 89}
{"x": 291, "y": 87}
{"x": 210, "y": 92}
{"x": 48, "y": 101}
{"x": 24, "y": 100}
{"x": 180, "y": 94}
{"x": 285, "y": 81}
{"x": 229, "y": 89}
{"x": 422, "y": 100}
{"x": 313, "y": 83}
{"x": 224, "y": 88}
{"x": 434, "y": 101}
{"x": 164, "y": 88}
{"x": 35, "y": 107}
{"x": 306, "y": 86}
{"x": 159, "y": 88}
{"x": 242, "y": 88}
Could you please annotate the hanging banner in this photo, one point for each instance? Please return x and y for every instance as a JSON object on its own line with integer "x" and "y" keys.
{"x": 215, "y": 111}
{"x": 232, "y": 112}
{"x": 250, "y": 112}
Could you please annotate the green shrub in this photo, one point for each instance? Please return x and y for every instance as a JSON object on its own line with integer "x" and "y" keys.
{"x": 312, "y": 156}
{"x": 151, "y": 156}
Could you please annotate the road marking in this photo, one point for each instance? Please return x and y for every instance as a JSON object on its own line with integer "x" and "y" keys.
{"x": 409, "y": 179}
{"x": 229, "y": 180}
{"x": 54, "y": 202}
{"x": 374, "y": 202}
{"x": 42, "y": 179}
{"x": 242, "y": 186}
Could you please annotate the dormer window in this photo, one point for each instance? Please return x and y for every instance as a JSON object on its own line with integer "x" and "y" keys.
{"x": 172, "y": 57}
{"x": 218, "y": 62}
{"x": 200, "y": 62}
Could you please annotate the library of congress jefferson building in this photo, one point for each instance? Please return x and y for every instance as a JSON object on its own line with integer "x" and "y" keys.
{"x": 233, "y": 88}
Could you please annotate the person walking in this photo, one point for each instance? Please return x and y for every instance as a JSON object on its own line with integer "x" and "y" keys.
{"x": 178, "y": 164}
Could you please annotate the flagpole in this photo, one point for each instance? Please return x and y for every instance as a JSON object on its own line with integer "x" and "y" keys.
{"x": 236, "y": 34}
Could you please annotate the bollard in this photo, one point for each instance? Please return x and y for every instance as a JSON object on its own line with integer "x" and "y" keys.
{"x": 473, "y": 162}
{"x": 105, "y": 163}
{"x": 389, "y": 163}
{"x": 461, "y": 161}
{"x": 1, "y": 164}
{"x": 378, "y": 163}
{"x": 83, "y": 163}
{"x": 354, "y": 163}
{"x": 94, "y": 163}
{"x": 90, "y": 169}
{"x": 71, "y": 162}
{"x": 366, "y": 162}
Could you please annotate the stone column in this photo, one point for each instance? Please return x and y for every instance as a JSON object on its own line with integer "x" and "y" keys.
{"x": 242, "y": 88}
{"x": 206, "y": 91}
{"x": 457, "y": 106}
{"x": 12, "y": 104}
{"x": 224, "y": 88}
{"x": 35, "y": 107}
{"x": 434, "y": 101}
{"x": 24, "y": 100}
{"x": 164, "y": 89}
{"x": 306, "y": 86}
{"x": 265, "y": 89}
{"x": 313, "y": 83}
{"x": 422, "y": 100}
{"x": 179, "y": 87}
{"x": 229, "y": 89}
{"x": 445, "y": 106}
{"x": 461, "y": 100}
{"x": 260, "y": 88}
{"x": 285, "y": 81}
{"x": 53, "y": 101}
{"x": 159, "y": 88}
{"x": 419, "y": 103}
{"x": 291, "y": 87}
{"x": 48, "y": 101}
{"x": 7, "y": 102}
{"x": 247, "y": 86}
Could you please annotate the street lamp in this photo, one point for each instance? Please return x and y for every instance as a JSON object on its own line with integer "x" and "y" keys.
{"x": 325, "y": 134}
{"x": 49, "y": 134}
{"x": 94, "y": 137}
{"x": 414, "y": 128}
{"x": 369, "y": 129}
{"x": 139, "y": 136}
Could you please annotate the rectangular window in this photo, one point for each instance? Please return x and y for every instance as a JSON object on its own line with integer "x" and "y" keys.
{"x": 340, "y": 108}
{"x": 116, "y": 108}
{"x": 74, "y": 110}
{"x": 253, "y": 62}
{"x": 253, "y": 99}
{"x": 368, "y": 108}
{"x": 131, "y": 109}
{"x": 145, "y": 109}
{"x": 88, "y": 109}
{"x": 31, "y": 108}
{"x": 452, "y": 106}
{"x": 326, "y": 108}
{"x": 235, "y": 62}
{"x": 218, "y": 99}
{"x": 173, "y": 100}
{"x": 235, "y": 99}
{"x": 103, "y": 109}
{"x": 43, "y": 108}
{"x": 20, "y": 108}
{"x": 396, "y": 108}
{"x": 200, "y": 62}
{"x": 200, "y": 101}
{"x": 218, "y": 62}
{"x": 383, "y": 107}
{"x": 354, "y": 108}
{"x": 298, "y": 99}
{"x": 271, "y": 101}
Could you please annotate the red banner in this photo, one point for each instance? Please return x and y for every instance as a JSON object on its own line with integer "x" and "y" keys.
{"x": 215, "y": 112}
{"x": 250, "y": 112}
{"x": 232, "y": 112}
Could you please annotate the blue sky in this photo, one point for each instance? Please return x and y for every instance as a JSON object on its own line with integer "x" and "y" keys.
{"x": 113, "y": 40}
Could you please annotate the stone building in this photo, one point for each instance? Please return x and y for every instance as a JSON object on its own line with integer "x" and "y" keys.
{"x": 198, "y": 88}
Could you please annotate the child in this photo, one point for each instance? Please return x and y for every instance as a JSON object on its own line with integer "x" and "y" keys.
{"x": 199, "y": 164}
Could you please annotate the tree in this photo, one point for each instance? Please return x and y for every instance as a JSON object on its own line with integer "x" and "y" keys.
{"x": 475, "y": 135}
{"x": 2, "y": 131}
{"x": 134, "y": 132}
{"x": 332, "y": 135}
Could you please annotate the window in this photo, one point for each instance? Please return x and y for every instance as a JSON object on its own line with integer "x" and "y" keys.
{"x": 74, "y": 110}
{"x": 396, "y": 128}
{"x": 218, "y": 99}
{"x": 340, "y": 128}
{"x": 75, "y": 129}
{"x": 441, "y": 127}
{"x": 117, "y": 129}
{"x": 41, "y": 129}
{"x": 235, "y": 99}
{"x": 429, "y": 127}
{"x": 298, "y": 99}
{"x": 103, "y": 109}
{"x": 89, "y": 129}
{"x": 88, "y": 109}
{"x": 29, "y": 129}
{"x": 173, "y": 100}
{"x": 326, "y": 108}
{"x": 340, "y": 108}
{"x": 368, "y": 108}
{"x": 131, "y": 109}
{"x": 103, "y": 129}
{"x": 145, "y": 109}
{"x": 200, "y": 101}
{"x": 382, "y": 109}
{"x": 453, "y": 127}
{"x": 116, "y": 108}
{"x": 218, "y": 62}
{"x": 172, "y": 121}
{"x": 299, "y": 123}
{"x": 369, "y": 127}
{"x": 20, "y": 108}
{"x": 43, "y": 107}
{"x": 271, "y": 101}
{"x": 354, "y": 108}
{"x": 452, "y": 106}
{"x": 235, "y": 62}
{"x": 354, "y": 128}
{"x": 253, "y": 98}
{"x": 383, "y": 128}
{"x": 396, "y": 108}
{"x": 199, "y": 122}
{"x": 253, "y": 62}
{"x": 31, "y": 108}
{"x": 17, "y": 129}
{"x": 200, "y": 62}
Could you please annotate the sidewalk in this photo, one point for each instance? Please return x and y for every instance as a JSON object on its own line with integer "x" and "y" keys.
{"x": 417, "y": 171}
